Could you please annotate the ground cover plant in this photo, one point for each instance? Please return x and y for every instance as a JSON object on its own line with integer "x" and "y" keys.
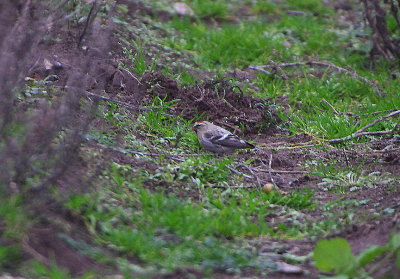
{"x": 102, "y": 175}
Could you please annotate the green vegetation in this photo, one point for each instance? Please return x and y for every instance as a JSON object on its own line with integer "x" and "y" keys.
{"x": 165, "y": 231}
{"x": 335, "y": 255}
{"x": 292, "y": 38}
{"x": 140, "y": 66}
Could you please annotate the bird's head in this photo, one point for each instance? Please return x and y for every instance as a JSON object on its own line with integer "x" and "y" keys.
{"x": 199, "y": 124}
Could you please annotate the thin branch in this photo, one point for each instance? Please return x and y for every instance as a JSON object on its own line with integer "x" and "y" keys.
{"x": 361, "y": 132}
{"x": 385, "y": 150}
{"x": 299, "y": 13}
{"x": 201, "y": 95}
{"x": 252, "y": 173}
{"x": 122, "y": 104}
{"x": 128, "y": 106}
{"x": 230, "y": 106}
{"x": 260, "y": 69}
{"x": 322, "y": 64}
{"x": 126, "y": 70}
{"x": 326, "y": 102}
{"x": 269, "y": 170}
{"x": 371, "y": 113}
{"x": 225, "y": 187}
{"x": 280, "y": 171}
{"x": 238, "y": 172}
{"x": 345, "y": 156}
{"x": 379, "y": 120}
{"x": 88, "y": 19}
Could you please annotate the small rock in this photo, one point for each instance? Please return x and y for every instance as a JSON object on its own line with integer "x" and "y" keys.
{"x": 288, "y": 268}
{"x": 47, "y": 64}
{"x": 57, "y": 65}
{"x": 182, "y": 9}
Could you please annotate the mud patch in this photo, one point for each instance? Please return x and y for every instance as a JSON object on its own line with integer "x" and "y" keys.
{"x": 215, "y": 100}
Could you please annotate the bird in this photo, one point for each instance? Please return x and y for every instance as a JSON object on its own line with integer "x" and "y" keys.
{"x": 218, "y": 140}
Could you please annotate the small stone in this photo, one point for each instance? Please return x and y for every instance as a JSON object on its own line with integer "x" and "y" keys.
{"x": 182, "y": 9}
{"x": 47, "y": 64}
{"x": 288, "y": 268}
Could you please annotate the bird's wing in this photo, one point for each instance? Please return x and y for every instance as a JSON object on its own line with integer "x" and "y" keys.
{"x": 228, "y": 140}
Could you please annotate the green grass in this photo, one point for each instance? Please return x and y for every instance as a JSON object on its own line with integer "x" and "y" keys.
{"x": 344, "y": 179}
{"x": 202, "y": 169}
{"x": 166, "y": 231}
{"x": 347, "y": 95}
{"x": 39, "y": 270}
{"x": 139, "y": 61}
{"x": 204, "y": 9}
{"x": 292, "y": 38}
{"x": 254, "y": 42}
{"x": 15, "y": 223}
{"x": 287, "y": 38}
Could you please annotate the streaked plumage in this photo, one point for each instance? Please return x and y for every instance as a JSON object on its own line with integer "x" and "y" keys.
{"x": 218, "y": 140}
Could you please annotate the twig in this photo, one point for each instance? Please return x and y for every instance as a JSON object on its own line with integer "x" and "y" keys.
{"x": 128, "y": 106}
{"x": 269, "y": 170}
{"x": 326, "y": 102}
{"x": 201, "y": 95}
{"x": 260, "y": 69}
{"x": 230, "y": 106}
{"x": 282, "y": 171}
{"x": 252, "y": 173}
{"x": 238, "y": 172}
{"x": 345, "y": 156}
{"x": 299, "y": 13}
{"x": 323, "y": 64}
{"x": 311, "y": 135}
{"x": 387, "y": 149}
{"x": 86, "y": 23}
{"x": 340, "y": 69}
{"x": 276, "y": 67}
{"x": 371, "y": 113}
{"x": 224, "y": 187}
{"x": 361, "y": 132}
{"x": 126, "y": 70}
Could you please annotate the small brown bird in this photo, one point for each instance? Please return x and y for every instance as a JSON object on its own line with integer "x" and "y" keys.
{"x": 217, "y": 139}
